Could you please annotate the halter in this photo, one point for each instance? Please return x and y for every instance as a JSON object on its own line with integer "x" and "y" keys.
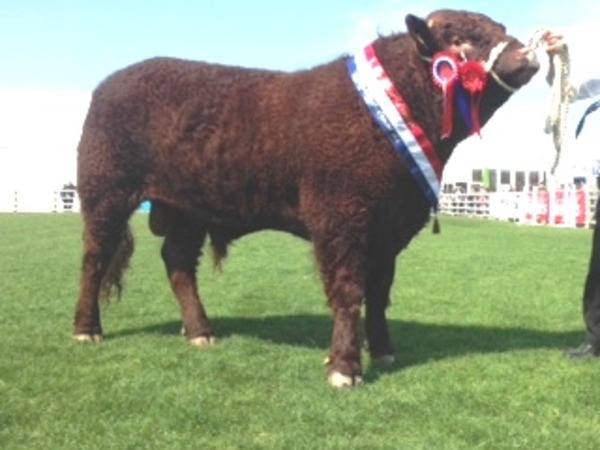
{"x": 494, "y": 55}
{"x": 504, "y": 85}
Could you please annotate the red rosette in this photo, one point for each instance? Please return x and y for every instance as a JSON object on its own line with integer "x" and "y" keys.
{"x": 445, "y": 73}
{"x": 473, "y": 78}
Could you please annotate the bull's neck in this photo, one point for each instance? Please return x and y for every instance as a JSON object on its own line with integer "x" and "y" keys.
{"x": 411, "y": 75}
{"x": 394, "y": 117}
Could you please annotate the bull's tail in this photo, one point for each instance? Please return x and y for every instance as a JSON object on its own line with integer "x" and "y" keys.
{"x": 219, "y": 246}
{"x": 112, "y": 283}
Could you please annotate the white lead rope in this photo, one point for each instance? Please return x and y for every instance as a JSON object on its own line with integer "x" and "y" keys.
{"x": 561, "y": 93}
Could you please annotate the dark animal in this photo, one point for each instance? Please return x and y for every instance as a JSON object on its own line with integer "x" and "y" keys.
{"x": 225, "y": 151}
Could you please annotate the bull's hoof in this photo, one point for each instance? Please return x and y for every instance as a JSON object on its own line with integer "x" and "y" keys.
{"x": 383, "y": 360}
{"x": 341, "y": 381}
{"x": 584, "y": 351}
{"x": 88, "y": 338}
{"x": 203, "y": 341}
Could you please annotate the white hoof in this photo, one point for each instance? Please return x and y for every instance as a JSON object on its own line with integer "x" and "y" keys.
{"x": 340, "y": 381}
{"x": 203, "y": 341}
{"x": 91, "y": 338}
{"x": 384, "y": 360}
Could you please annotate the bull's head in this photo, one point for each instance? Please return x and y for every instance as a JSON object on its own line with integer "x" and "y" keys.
{"x": 473, "y": 37}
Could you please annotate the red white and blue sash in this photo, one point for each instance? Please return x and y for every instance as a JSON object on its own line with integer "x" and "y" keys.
{"x": 392, "y": 114}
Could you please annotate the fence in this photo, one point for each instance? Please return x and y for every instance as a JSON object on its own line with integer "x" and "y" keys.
{"x": 564, "y": 207}
{"x": 561, "y": 207}
{"x": 38, "y": 201}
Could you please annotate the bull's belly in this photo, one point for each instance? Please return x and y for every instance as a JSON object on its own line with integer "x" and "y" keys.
{"x": 236, "y": 211}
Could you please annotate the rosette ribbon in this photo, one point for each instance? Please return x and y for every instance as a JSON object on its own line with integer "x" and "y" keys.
{"x": 444, "y": 70}
{"x": 461, "y": 83}
{"x": 473, "y": 77}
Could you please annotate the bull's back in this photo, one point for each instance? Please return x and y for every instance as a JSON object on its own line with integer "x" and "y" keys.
{"x": 229, "y": 140}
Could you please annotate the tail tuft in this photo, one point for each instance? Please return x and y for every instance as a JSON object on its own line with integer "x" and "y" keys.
{"x": 219, "y": 244}
{"x": 112, "y": 283}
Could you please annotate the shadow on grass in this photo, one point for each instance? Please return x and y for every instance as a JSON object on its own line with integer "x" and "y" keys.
{"x": 415, "y": 342}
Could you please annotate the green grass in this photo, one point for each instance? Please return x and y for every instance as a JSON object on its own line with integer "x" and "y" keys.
{"x": 480, "y": 317}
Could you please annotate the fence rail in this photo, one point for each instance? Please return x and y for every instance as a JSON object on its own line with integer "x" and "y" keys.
{"x": 568, "y": 207}
{"x": 37, "y": 201}
{"x": 561, "y": 207}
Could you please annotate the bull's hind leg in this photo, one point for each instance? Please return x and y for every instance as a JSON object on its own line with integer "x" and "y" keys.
{"x": 107, "y": 244}
{"x": 379, "y": 282}
{"x": 180, "y": 253}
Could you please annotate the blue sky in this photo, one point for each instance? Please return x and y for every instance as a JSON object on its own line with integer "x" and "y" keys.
{"x": 73, "y": 45}
{"x": 54, "y": 53}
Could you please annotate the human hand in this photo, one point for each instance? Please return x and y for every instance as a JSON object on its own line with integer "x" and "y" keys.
{"x": 553, "y": 42}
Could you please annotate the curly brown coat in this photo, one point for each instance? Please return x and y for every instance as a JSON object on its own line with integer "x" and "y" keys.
{"x": 225, "y": 151}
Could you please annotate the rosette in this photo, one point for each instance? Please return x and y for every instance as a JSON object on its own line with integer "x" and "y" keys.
{"x": 473, "y": 78}
{"x": 444, "y": 71}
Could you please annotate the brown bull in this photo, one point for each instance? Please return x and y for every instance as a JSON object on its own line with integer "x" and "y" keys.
{"x": 225, "y": 151}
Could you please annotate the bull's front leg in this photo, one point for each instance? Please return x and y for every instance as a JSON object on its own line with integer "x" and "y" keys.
{"x": 381, "y": 268}
{"x": 342, "y": 268}
{"x": 345, "y": 297}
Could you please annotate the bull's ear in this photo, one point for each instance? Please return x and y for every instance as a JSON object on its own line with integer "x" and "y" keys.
{"x": 421, "y": 34}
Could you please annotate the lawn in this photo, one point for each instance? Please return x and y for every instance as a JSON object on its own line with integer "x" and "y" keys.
{"x": 480, "y": 318}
